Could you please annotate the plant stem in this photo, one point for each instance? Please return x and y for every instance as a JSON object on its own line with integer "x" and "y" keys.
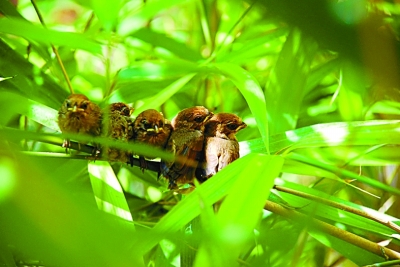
{"x": 55, "y": 51}
{"x": 318, "y": 225}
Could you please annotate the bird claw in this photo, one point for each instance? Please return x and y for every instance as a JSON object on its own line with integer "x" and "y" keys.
{"x": 66, "y": 144}
{"x": 143, "y": 164}
{"x": 95, "y": 154}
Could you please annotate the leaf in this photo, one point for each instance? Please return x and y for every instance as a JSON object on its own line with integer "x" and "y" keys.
{"x": 107, "y": 12}
{"x": 252, "y": 92}
{"x": 165, "y": 94}
{"x": 39, "y": 34}
{"x": 107, "y": 190}
{"x": 252, "y": 48}
{"x": 337, "y": 142}
{"x": 5, "y": 78}
{"x": 240, "y": 210}
{"x": 317, "y": 74}
{"x": 212, "y": 190}
{"x": 333, "y": 213}
{"x": 343, "y": 173}
{"x": 28, "y": 80}
{"x": 358, "y": 255}
{"x": 161, "y": 40}
{"x": 145, "y": 12}
{"x": 287, "y": 82}
{"x": 24, "y": 106}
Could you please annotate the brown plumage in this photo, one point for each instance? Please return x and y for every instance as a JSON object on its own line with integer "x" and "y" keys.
{"x": 221, "y": 146}
{"x": 151, "y": 128}
{"x": 79, "y": 115}
{"x": 186, "y": 142}
{"x": 118, "y": 125}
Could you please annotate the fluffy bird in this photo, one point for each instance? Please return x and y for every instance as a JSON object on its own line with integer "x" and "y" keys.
{"x": 220, "y": 145}
{"x": 118, "y": 125}
{"x": 151, "y": 128}
{"x": 186, "y": 142}
{"x": 79, "y": 115}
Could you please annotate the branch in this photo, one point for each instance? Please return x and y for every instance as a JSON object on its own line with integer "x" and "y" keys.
{"x": 63, "y": 70}
{"x": 351, "y": 238}
{"x": 364, "y": 214}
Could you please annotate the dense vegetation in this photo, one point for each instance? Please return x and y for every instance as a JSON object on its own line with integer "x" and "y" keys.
{"x": 316, "y": 81}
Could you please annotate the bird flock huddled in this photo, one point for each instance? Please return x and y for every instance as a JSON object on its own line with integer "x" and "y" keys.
{"x": 203, "y": 142}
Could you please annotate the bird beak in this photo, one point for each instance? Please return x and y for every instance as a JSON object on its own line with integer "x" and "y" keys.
{"x": 74, "y": 109}
{"x": 208, "y": 117}
{"x": 155, "y": 129}
{"x": 242, "y": 126}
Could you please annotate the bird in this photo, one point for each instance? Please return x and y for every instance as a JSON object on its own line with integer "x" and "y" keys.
{"x": 81, "y": 116}
{"x": 118, "y": 125}
{"x": 151, "y": 128}
{"x": 220, "y": 144}
{"x": 186, "y": 142}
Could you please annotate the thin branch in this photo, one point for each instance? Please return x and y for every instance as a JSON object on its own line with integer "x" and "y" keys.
{"x": 351, "y": 238}
{"x": 55, "y": 51}
{"x": 150, "y": 165}
{"x": 361, "y": 213}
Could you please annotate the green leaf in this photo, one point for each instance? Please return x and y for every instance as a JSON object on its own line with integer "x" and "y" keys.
{"x": 212, "y": 190}
{"x": 107, "y": 190}
{"x": 32, "y": 109}
{"x": 162, "y": 96}
{"x": 240, "y": 210}
{"x": 145, "y": 13}
{"x": 343, "y": 173}
{"x": 39, "y": 34}
{"x": 29, "y": 80}
{"x": 358, "y": 255}
{"x": 287, "y": 82}
{"x": 156, "y": 70}
{"x": 107, "y": 12}
{"x": 252, "y": 92}
{"x": 333, "y": 213}
{"x": 161, "y": 40}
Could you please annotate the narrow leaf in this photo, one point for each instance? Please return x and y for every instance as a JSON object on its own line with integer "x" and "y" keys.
{"x": 252, "y": 92}
{"x": 107, "y": 190}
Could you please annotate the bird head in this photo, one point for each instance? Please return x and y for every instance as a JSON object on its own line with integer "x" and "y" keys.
{"x": 150, "y": 121}
{"x": 224, "y": 125}
{"x": 192, "y": 118}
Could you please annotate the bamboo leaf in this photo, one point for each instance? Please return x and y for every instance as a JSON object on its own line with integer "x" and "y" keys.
{"x": 30, "y": 31}
{"x": 252, "y": 92}
{"x": 107, "y": 190}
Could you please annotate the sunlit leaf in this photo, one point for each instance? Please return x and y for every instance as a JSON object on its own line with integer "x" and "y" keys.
{"x": 287, "y": 82}
{"x": 241, "y": 209}
{"x": 165, "y": 94}
{"x": 37, "y": 33}
{"x": 107, "y": 190}
{"x": 252, "y": 92}
{"x": 160, "y": 40}
{"x": 29, "y": 80}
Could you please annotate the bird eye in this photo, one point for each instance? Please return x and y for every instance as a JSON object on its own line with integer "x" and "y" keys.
{"x": 232, "y": 126}
{"x": 161, "y": 123}
{"x": 198, "y": 119}
{"x": 68, "y": 104}
{"x": 126, "y": 111}
{"x": 145, "y": 124}
{"x": 84, "y": 105}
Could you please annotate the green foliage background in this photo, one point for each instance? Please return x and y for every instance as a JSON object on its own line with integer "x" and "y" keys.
{"x": 316, "y": 81}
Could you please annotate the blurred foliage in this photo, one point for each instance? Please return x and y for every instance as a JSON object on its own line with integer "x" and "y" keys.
{"x": 316, "y": 81}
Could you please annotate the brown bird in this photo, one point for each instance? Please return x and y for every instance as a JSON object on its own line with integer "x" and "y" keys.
{"x": 186, "y": 142}
{"x": 79, "y": 115}
{"x": 221, "y": 146}
{"x": 118, "y": 125}
{"x": 151, "y": 128}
